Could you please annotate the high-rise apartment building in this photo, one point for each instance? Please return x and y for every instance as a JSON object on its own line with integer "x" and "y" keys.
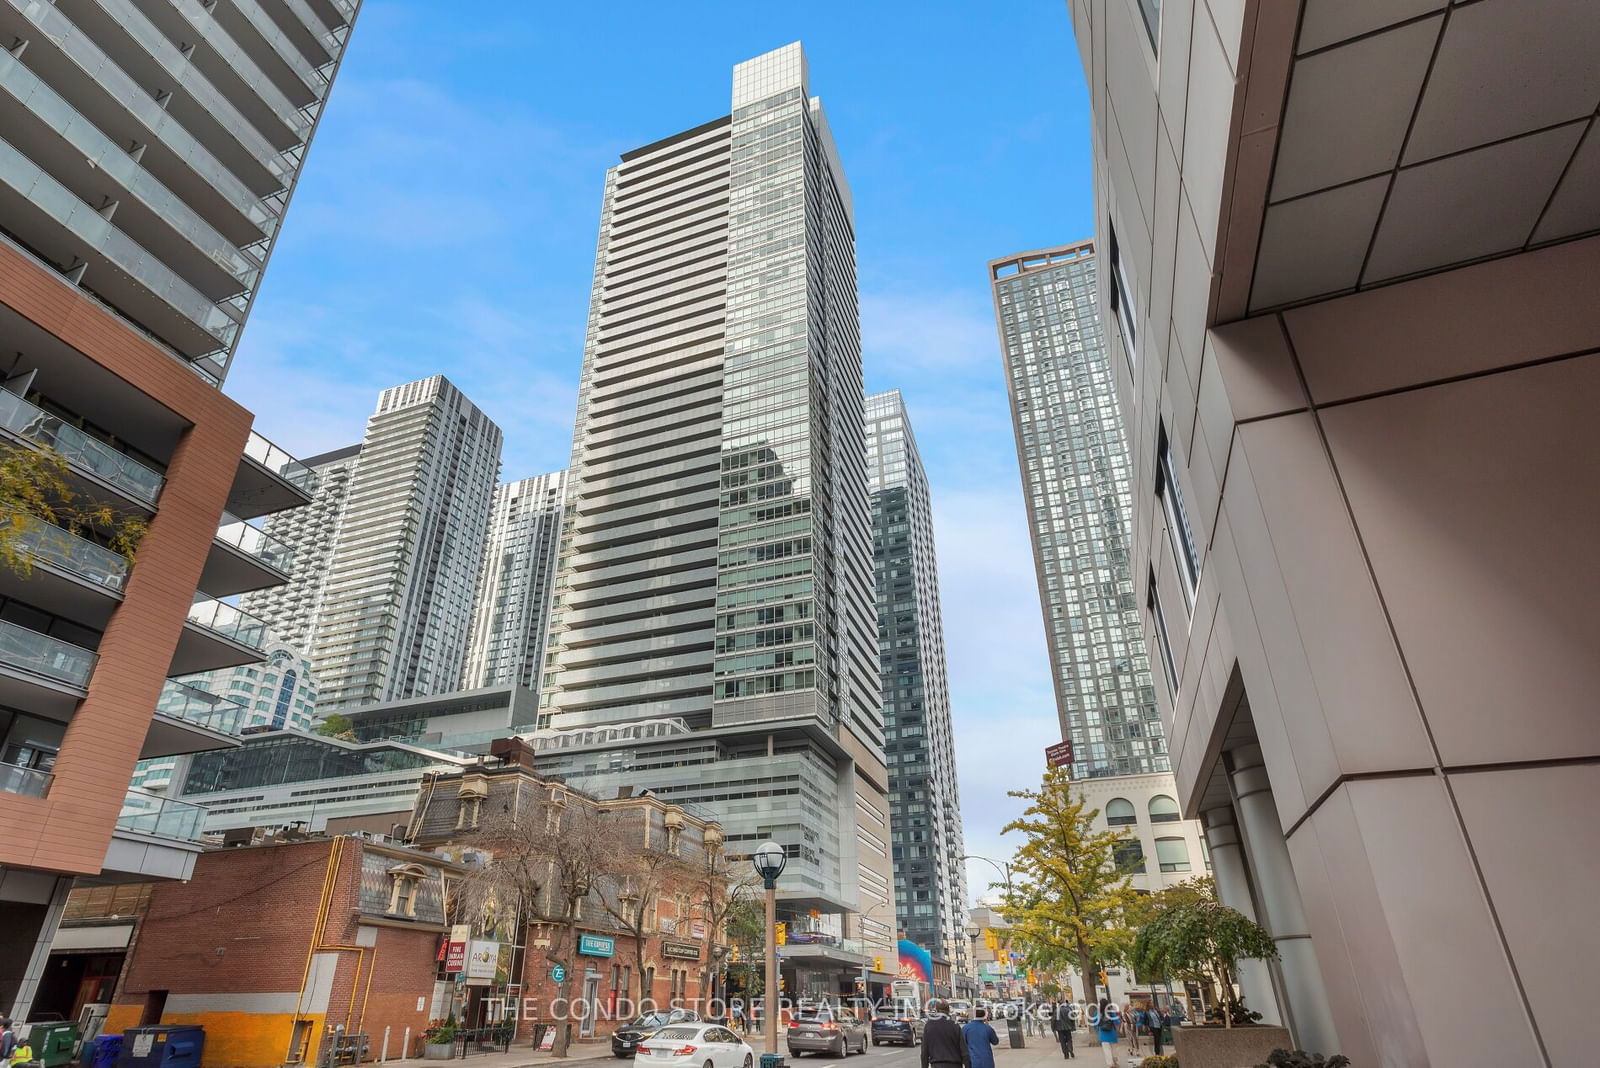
{"x": 1076, "y": 481}
{"x": 715, "y": 583}
{"x": 930, "y": 883}
{"x": 147, "y": 155}
{"x": 514, "y": 586}
{"x": 1348, "y": 255}
{"x": 292, "y": 611}
{"x": 397, "y": 603}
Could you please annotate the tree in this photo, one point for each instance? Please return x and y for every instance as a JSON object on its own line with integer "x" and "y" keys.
{"x": 334, "y": 725}
{"x": 719, "y": 889}
{"x": 34, "y": 489}
{"x": 1202, "y": 938}
{"x": 643, "y": 872}
{"x": 1068, "y": 898}
{"x": 548, "y": 859}
{"x": 746, "y": 924}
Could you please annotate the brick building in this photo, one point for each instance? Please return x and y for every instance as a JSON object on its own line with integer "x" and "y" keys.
{"x": 669, "y": 855}
{"x": 270, "y": 946}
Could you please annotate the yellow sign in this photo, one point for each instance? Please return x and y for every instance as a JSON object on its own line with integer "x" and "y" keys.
{"x": 782, "y": 936}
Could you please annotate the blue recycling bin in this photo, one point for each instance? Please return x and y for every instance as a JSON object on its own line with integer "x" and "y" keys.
{"x": 161, "y": 1047}
{"x": 104, "y": 1051}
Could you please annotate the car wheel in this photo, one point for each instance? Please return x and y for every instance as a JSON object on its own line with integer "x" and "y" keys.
{"x": 874, "y": 1040}
{"x": 843, "y": 1049}
{"x": 747, "y": 1058}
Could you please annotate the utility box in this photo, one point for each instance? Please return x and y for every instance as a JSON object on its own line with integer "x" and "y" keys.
{"x": 162, "y": 1047}
{"x": 53, "y": 1043}
{"x": 1014, "y": 1030}
{"x": 102, "y": 1052}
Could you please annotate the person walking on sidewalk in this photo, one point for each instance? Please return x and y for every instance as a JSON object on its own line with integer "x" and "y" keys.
{"x": 739, "y": 1020}
{"x": 1062, "y": 1023}
{"x": 1132, "y": 1021}
{"x": 943, "y": 1045}
{"x": 1156, "y": 1020}
{"x": 981, "y": 1040}
{"x": 1106, "y": 1026}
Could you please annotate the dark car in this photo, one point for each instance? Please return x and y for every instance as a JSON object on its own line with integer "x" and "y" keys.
{"x": 824, "y": 1031}
{"x": 897, "y": 1030}
{"x": 625, "y": 1039}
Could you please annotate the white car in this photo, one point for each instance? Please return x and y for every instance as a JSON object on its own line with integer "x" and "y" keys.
{"x": 694, "y": 1045}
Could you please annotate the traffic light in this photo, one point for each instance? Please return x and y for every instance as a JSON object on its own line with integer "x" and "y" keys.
{"x": 877, "y": 964}
{"x": 733, "y": 954}
{"x": 782, "y": 933}
{"x": 1104, "y": 980}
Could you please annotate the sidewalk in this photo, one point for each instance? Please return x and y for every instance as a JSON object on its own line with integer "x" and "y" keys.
{"x": 518, "y": 1056}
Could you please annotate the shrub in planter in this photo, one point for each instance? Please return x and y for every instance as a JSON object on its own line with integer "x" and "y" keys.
{"x": 439, "y": 1041}
{"x": 1299, "y": 1058}
{"x": 1159, "y": 1062}
{"x": 1204, "y": 939}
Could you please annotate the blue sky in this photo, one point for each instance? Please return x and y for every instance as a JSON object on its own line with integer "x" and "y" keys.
{"x": 446, "y": 222}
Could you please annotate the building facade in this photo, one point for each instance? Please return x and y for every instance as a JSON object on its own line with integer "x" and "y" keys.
{"x": 148, "y": 155}
{"x": 716, "y": 562}
{"x": 398, "y": 599}
{"x": 1349, "y": 253}
{"x": 1076, "y": 483}
{"x": 293, "y": 610}
{"x": 512, "y": 616}
{"x": 930, "y": 883}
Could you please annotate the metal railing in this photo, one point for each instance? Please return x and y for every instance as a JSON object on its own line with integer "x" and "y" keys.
{"x": 29, "y": 782}
{"x": 165, "y": 817}
{"x": 226, "y": 620}
{"x": 50, "y": 544}
{"x": 280, "y": 463}
{"x": 201, "y": 707}
{"x": 79, "y": 449}
{"x": 42, "y": 655}
{"x": 255, "y": 542}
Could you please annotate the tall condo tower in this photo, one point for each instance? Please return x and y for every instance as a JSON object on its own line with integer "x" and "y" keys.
{"x": 930, "y": 883}
{"x": 716, "y": 556}
{"x": 395, "y": 614}
{"x": 514, "y": 586}
{"x": 293, "y": 610}
{"x": 1075, "y": 477}
{"x": 148, "y": 151}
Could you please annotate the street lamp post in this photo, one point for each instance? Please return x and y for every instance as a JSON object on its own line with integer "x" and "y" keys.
{"x": 769, "y": 860}
{"x": 866, "y": 991}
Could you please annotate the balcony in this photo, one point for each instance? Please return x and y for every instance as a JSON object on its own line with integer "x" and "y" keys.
{"x": 217, "y": 635}
{"x": 269, "y": 480}
{"x": 161, "y": 817}
{"x": 88, "y": 457}
{"x": 72, "y": 576}
{"x": 42, "y": 674}
{"x": 244, "y": 558}
{"x": 29, "y": 782}
{"x": 192, "y": 720}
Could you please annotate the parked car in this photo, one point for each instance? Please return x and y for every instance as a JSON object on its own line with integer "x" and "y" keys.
{"x": 824, "y": 1031}
{"x": 904, "y": 1030}
{"x": 961, "y": 1010}
{"x": 694, "y": 1045}
{"x": 625, "y": 1039}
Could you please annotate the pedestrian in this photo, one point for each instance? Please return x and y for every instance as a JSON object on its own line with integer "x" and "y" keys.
{"x": 1061, "y": 1022}
{"x": 22, "y": 1054}
{"x": 1107, "y": 1028}
{"x": 943, "y": 1045}
{"x": 980, "y": 1039}
{"x": 1132, "y": 1020}
{"x": 738, "y": 1019}
{"x": 8, "y": 1040}
{"x": 1157, "y": 1020}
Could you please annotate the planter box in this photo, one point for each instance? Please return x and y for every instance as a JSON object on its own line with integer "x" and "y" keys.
{"x": 444, "y": 1051}
{"x": 1228, "y": 1047}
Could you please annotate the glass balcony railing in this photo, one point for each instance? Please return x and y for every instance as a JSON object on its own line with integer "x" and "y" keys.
{"x": 226, "y": 620}
{"x": 39, "y": 654}
{"x": 29, "y": 782}
{"x": 280, "y": 463}
{"x": 49, "y": 544}
{"x": 255, "y": 542}
{"x": 201, "y": 707}
{"x": 146, "y": 813}
{"x": 79, "y": 449}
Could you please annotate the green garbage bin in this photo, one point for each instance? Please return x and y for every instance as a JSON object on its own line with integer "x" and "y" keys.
{"x": 53, "y": 1043}
{"x": 772, "y": 1060}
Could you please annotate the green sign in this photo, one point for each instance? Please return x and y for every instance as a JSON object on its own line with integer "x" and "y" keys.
{"x": 596, "y": 945}
{"x": 559, "y": 973}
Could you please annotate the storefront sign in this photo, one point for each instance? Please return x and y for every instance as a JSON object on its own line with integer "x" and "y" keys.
{"x": 680, "y": 950}
{"x": 455, "y": 951}
{"x": 1058, "y": 754}
{"x": 597, "y": 945}
{"x": 482, "y": 956}
{"x": 698, "y": 928}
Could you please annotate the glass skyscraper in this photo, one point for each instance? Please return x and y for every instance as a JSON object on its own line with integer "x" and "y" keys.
{"x": 930, "y": 885}
{"x": 714, "y": 598}
{"x": 1075, "y": 472}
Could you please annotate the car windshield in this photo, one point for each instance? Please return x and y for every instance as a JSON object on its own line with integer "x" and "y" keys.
{"x": 674, "y": 1033}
